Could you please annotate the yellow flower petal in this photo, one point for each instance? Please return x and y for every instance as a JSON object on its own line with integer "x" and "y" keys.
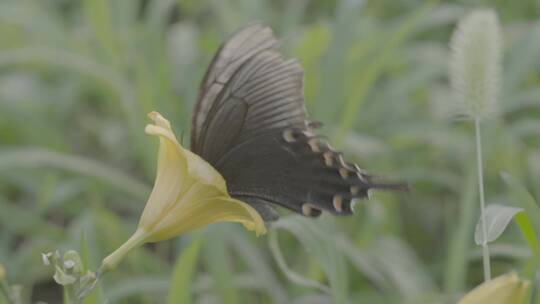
{"x": 204, "y": 212}
{"x": 188, "y": 194}
{"x": 196, "y": 166}
{"x": 505, "y": 289}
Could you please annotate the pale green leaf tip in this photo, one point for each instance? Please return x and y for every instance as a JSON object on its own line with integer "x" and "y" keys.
{"x": 497, "y": 219}
{"x": 475, "y": 65}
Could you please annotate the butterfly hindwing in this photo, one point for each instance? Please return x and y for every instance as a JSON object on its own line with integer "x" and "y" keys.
{"x": 295, "y": 169}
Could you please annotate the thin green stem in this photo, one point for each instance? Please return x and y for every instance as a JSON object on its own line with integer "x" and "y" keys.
{"x": 110, "y": 262}
{"x": 69, "y": 295}
{"x": 89, "y": 283}
{"x": 485, "y": 248}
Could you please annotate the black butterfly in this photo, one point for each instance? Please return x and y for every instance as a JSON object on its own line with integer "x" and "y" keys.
{"x": 250, "y": 123}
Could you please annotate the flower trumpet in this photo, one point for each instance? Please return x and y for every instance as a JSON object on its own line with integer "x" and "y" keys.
{"x": 188, "y": 194}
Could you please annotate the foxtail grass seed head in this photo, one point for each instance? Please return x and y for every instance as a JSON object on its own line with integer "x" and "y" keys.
{"x": 475, "y": 65}
{"x": 505, "y": 289}
{"x": 188, "y": 194}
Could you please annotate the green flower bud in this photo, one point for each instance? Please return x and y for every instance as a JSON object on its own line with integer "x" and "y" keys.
{"x": 63, "y": 278}
{"x": 72, "y": 262}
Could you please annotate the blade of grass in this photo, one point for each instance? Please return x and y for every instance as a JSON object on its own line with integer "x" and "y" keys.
{"x": 219, "y": 263}
{"x": 519, "y": 196}
{"x": 17, "y": 220}
{"x": 97, "y": 14}
{"x": 371, "y": 73}
{"x": 456, "y": 262}
{"x": 81, "y": 64}
{"x": 38, "y": 157}
{"x": 183, "y": 272}
{"x": 289, "y": 273}
{"x": 93, "y": 297}
{"x": 479, "y": 165}
{"x": 254, "y": 257}
{"x": 527, "y": 230}
{"x": 317, "y": 241}
{"x": 333, "y": 61}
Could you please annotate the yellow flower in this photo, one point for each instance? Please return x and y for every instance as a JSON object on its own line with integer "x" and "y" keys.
{"x": 505, "y": 289}
{"x": 188, "y": 194}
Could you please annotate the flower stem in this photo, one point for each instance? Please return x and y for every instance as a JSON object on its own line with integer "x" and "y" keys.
{"x": 69, "y": 296}
{"x": 485, "y": 248}
{"x": 110, "y": 262}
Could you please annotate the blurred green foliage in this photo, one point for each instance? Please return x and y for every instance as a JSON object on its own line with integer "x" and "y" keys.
{"x": 78, "y": 77}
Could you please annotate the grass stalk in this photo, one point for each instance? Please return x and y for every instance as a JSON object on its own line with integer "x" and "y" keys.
{"x": 485, "y": 247}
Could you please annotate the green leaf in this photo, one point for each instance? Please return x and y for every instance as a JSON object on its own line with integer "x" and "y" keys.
{"x": 528, "y": 232}
{"x": 456, "y": 264}
{"x": 497, "y": 218}
{"x": 219, "y": 261}
{"x": 519, "y": 196}
{"x": 15, "y": 158}
{"x": 180, "y": 291}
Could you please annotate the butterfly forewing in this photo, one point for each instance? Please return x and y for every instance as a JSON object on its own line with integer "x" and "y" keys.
{"x": 231, "y": 55}
{"x": 263, "y": 96}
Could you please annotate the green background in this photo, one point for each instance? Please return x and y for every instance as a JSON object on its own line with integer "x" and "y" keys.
{"x": 78, "y": 77}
